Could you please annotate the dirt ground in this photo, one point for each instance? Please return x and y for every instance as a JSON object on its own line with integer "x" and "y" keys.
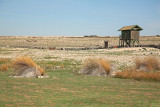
{"x": 10, "y": 48}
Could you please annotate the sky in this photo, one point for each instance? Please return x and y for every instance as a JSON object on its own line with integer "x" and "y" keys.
{"x": 77, "y": 17}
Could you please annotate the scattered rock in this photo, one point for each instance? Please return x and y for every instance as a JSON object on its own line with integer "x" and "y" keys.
{"x": 44, "y": 76}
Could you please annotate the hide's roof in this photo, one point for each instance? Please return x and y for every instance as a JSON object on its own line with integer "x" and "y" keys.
{"x": 132, "y": 27}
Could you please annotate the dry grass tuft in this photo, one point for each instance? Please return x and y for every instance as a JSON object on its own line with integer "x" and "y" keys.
{"x": 106, "y": 65}
{"x": 96, "y": 67}
{"x": 23, "y": 61}
{"x": 26, "y": 67}
{"x": 42, "y": 71}
{"x": 5, "y": 64}
{"x": 147, "y": 63}
{"x": 4, "y": 67}
{"x": 91, "y": 63}
{"x": 132, "y": 73}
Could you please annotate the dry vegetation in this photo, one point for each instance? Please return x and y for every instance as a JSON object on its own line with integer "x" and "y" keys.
{"x": 106, "y": 65}
{"x": 133, "y": 73}
{"x": 149, "y": 63}
{"x": 4, "y": 67}
{"x": 26, "y": 67}
{"x": 145, "y": 69}
{"x": 96, "y": 67}
{"x": 4, "y": 64}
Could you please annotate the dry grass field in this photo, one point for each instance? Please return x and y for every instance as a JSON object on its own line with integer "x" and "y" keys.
{"x": 61, "y": 42}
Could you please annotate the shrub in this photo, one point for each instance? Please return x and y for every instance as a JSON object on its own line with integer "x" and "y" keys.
{"x": 26, "y": 67}
{"x": 147, "y": 63}
{"x": 96, "y": 67}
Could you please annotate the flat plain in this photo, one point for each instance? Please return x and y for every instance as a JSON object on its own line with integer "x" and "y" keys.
{"x": 65, "y": 87}
{"x": 63, "y": 41}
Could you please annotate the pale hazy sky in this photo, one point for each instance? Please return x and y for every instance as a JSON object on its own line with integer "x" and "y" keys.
{"x": 77, "y": 17}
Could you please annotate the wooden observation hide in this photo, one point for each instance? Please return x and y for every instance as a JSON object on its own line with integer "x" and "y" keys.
{"x": 129, "y": 35}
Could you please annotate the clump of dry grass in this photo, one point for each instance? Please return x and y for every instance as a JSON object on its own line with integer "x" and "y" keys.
{"x": 4, "y": 67}
{"x": 133, "y": 73}
{"x": 4, "y": 64}
{"x": 26, "y": 67}
{"x": 96, "y": 67}
{"x": 23, "y": 61}
{"x": 42, "y": 71}
{"x": 147, "y": 63}
{"x": 105, "y": 64}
